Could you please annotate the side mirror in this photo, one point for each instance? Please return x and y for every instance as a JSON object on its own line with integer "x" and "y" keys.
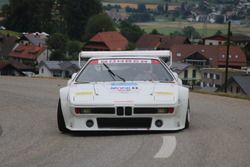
{"x": 177, "y": 78}
{"x": 72, "y": 77}
{"x": 175, "y": 75}
{"x": 179, "y": 81}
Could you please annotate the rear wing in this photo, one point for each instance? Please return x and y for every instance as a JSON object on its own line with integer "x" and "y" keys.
{"x": 165, "y": 55}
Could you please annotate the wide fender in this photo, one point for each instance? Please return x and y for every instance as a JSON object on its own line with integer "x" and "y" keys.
{"x": 183, "y": 101}
{"x": 64, "y": 93}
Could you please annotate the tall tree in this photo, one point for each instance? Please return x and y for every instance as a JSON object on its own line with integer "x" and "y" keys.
{"x": 57, "y": 43}
{"x": 98, "y": 23}
{"x": 130, "y": 31}
{"x": 29, "y": 15}
{"x": 77, "y": 13}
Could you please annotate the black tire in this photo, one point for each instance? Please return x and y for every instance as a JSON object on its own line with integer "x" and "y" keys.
{"x": 187, "y": 122}
{"x": 60, "y": 119}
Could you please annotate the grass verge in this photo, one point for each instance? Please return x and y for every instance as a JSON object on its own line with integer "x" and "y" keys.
{"x": 223, "y": 94}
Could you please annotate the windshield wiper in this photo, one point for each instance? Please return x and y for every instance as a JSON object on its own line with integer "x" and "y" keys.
{"x": 112, "y": 73}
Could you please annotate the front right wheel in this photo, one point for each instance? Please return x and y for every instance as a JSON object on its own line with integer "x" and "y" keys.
{"x": 60, "y": 119}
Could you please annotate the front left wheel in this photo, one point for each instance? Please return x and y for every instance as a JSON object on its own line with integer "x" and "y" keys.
{"x": 187, "y": 122}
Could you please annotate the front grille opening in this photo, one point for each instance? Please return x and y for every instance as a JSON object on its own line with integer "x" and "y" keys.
{"x": 128, "y": 111}
{"x": 145, "y": 110}
{"x": 95, "y": 110}
{"x": 124, "y": 122}
{"x": 103, "y": 110}
{"x": 119, "y": 111}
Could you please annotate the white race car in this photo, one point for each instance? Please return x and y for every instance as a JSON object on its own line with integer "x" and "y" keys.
{"x": 124, "y": 90}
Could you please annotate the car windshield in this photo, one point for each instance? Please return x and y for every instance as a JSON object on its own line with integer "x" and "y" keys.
{"x": 105, "y": 70}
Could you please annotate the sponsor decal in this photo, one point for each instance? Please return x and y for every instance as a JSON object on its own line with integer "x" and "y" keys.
{"x": 164, "y": 93}
{"x": 83, "y": 93}
{"x": 124, "y": 87}
{"x": 123, "y": 61}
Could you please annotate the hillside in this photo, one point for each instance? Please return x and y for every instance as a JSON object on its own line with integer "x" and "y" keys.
{"x": 2, "y": 2}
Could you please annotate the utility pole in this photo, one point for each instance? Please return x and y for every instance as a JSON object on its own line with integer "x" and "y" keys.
{"x": 227, "y": 56}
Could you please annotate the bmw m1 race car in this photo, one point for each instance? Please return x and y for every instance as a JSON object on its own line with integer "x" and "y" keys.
{"x": 124, "y": 90}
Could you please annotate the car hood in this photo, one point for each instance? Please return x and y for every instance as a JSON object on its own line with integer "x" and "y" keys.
{"x": 119, "y": 93}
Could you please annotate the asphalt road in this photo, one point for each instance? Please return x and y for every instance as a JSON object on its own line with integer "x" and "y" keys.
{"x": 219, "y": 135}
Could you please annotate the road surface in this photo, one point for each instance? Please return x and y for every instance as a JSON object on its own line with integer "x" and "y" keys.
{"x": 219, "y": 135}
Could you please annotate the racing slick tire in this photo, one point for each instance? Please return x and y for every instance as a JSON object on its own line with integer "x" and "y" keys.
{"x": 187, "y": 122}
{"x": 60, "y": 119}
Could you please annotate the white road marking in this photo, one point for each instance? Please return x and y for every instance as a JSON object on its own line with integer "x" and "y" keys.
{"x": 167, "y": 148}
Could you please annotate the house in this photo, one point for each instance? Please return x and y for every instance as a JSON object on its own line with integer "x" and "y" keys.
{"x": 239, "y": 85}
{"x": 159, "y": 42}
{"x": 189, "y": 74}
{"x": 35, "y": 38}
{"x": 215, "y": 77}
{"x": 149, "y": 42}
{"x": 117, "y": 16}
{"x": 58, "y": 68}
{"x": 107, "y": 41}
{"x": 208, "y": 55}
{"x": 7, "y": 68}
{"x": 30, "y": 54}
{"x": 7, "y": 43}
{"x": 26, "y": 69}
{"x": 237, "y": 39}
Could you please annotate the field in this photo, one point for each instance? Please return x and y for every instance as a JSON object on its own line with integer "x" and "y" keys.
{"x": 204, "y": 29}
{"x": 11, "y": 33}
{"x": 134, "y": 1}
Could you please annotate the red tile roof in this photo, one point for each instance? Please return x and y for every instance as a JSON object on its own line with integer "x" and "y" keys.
{"x": 113, "y": 41}
{"x": 169, "y": 41}
{"x": 215, "y": 54}
{"x": 24, "y": 51}
{"x": 161, "y": 42}
{"x": 234, "y": 38}
{"x": 148, "y": 41}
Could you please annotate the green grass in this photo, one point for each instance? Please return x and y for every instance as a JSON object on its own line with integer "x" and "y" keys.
{"x": 135, "y": 1}
{"x": 167, "y": 27}
{"x": 11, "y": 33}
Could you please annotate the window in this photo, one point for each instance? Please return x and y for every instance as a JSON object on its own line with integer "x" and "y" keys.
{"x": 237, "y": 89}
{"x": 186, "y": 74}
{"x": 220, "y": 42}
{"x": 178, "y": 54}
{"x": 217, "y": 76}
{"x": 210, "y": 43}
{"x": 119, "y": 69}
{"x": 194, "y": 73}
{"x": 42, "y": 70}
{"x": 205, "y": 75}
{"x": 211, "y": 75}
{"x": 231, "y": 88}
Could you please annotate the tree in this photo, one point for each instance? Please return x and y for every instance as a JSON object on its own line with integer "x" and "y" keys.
{"x": 57, "y": 43}
{"x": 29, "y": 15}
{"x": 77, "y": 14}
{"x": 142, "y": 8}
{"x": 5, "y": 10}
{"x": 218, "y": 32}
{"x": 98, "y": 23}
{"x": 130, "y": 31}
{"x": 154, "y": 31}
{"x": 190, "y": 32}
{"x": 74, "y": 47}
